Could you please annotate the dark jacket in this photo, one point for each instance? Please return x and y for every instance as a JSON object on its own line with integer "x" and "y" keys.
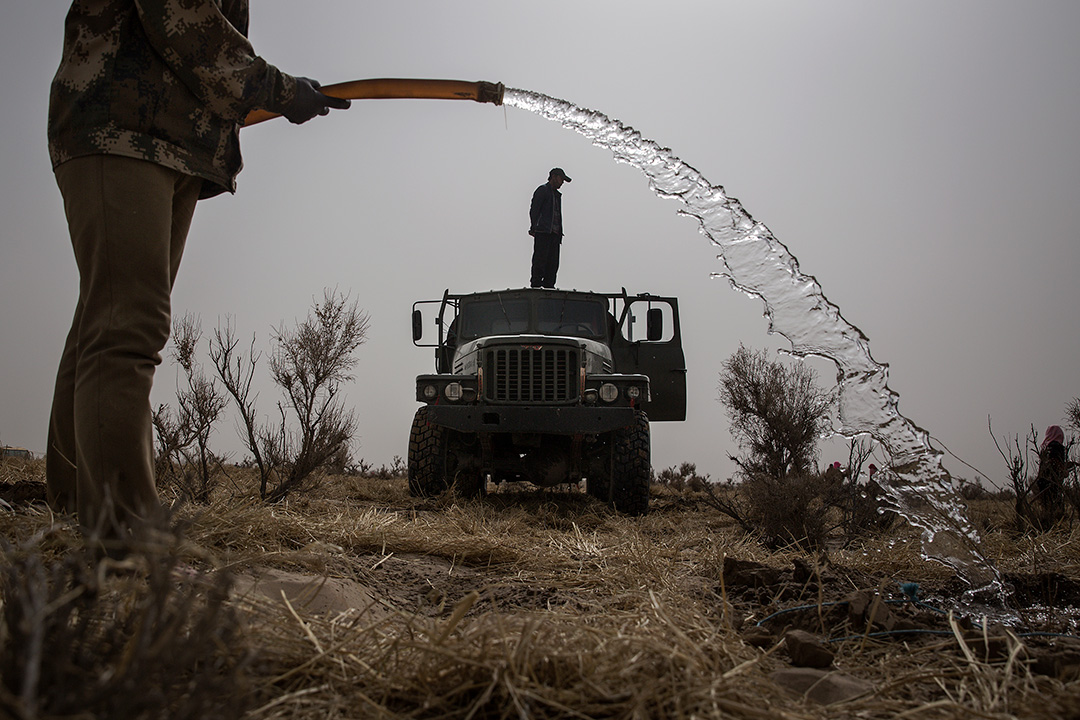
{"x": 545, "y": 212}
{"x": 168, "y": 81}
{"x": 1054, "y": 465}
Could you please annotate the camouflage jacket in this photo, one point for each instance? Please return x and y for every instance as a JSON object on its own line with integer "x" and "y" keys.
{"x": 167, "y": 81}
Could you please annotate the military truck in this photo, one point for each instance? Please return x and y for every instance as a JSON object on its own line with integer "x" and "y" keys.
{"x": 545, "y": 386}
{"x": 15, "y": 453}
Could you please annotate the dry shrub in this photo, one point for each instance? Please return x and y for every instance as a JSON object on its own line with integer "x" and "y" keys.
{"x": 79, "y": 640}
{"x": 396, "y": 469}
{"x": 862, "y": 509}
{"x": 801, "y": 510}
{"x": 310, "y": 363}
{"x": 684, "y": 477}
{"x": 183, "y": 436}
{"x": 777, "y": 413}
{"x": 791, "y": 510}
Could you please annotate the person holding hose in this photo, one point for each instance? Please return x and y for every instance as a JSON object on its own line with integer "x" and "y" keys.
{"x": 144, "y": 118}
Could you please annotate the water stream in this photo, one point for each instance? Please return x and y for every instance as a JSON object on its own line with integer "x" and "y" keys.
{"x": 756, "y": 263}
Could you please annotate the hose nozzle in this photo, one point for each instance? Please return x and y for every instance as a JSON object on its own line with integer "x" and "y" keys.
{"x": 490, "y": 92}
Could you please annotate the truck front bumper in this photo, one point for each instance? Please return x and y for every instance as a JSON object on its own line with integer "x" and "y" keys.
{"x": 547, "y": 420}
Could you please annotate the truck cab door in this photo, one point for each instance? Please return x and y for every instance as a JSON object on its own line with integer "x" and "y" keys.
{"x": 443, "y": 314}
{"x": 658, "y": 353}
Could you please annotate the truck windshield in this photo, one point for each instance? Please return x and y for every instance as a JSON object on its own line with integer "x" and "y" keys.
{"x": 481, "y": 318}
{"x": 571, "y": 316}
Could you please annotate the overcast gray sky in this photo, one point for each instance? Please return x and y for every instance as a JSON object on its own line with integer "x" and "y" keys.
{"x": 920, "y": 159}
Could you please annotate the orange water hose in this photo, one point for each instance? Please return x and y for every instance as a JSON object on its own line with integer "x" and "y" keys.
{"x": 384, "y": 88}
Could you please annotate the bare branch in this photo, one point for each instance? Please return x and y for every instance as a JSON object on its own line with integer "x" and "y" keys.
{"x": 309, "y": 363}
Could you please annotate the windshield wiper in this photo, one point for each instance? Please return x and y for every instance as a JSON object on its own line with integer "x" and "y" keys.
{"x": 506, "y": 315}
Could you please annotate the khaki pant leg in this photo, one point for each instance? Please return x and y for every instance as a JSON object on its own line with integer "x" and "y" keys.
{"x": 128, "y": 221}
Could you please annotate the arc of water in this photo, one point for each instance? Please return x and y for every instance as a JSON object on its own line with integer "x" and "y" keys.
{"x": 756, "y": 263}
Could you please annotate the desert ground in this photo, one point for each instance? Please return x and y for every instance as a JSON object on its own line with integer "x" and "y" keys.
{"x": 352, "y": 599}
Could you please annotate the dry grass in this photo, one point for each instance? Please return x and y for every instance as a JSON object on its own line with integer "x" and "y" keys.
{"x": 548, "y": 605}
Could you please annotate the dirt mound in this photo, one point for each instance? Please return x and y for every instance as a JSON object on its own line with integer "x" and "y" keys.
{"x": 308, "y": 594}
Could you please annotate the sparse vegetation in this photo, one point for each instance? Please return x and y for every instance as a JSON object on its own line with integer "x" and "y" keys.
{"x": 780, "y": 512}
{"x": 183, "y": 436}
{"x": 684, "y": 477}
{"x": 355, "y": 599}
{"x": 309, "y": 363}
{"x": 778, "y": 413}
{"x": 1027, "y": 467}
{"x": 543, "y": 605}
{"x": 396, "y": 469}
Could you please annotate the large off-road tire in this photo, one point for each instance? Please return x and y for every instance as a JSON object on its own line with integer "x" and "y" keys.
{"x": 427, "y": 457}
{"x": 632, "y": 467}
{"x": 435, "y": 461}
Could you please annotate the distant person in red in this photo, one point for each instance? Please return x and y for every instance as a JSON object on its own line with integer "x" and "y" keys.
{"x": 546, "y": 227}
{"x": 1054, "y": 465}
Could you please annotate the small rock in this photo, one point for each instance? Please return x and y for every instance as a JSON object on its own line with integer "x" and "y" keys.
{"x": 758, "y": 636}
{"x": 802, "y": 572}
{"x": 868, "y": 609}
{"x": 821, "y": 686}
{"x": 807, "y": 650}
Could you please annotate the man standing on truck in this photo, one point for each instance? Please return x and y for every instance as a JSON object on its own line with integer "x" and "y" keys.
{"x": 545, "y": 216}
{"x": 144, "y": 118}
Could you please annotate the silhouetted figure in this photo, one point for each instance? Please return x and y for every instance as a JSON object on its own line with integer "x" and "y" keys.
{"x": 546, "y": 227}
{"x": 834, "y": 472}
{"x": 1049, "y": 484}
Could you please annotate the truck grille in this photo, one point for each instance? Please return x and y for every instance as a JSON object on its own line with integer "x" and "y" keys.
{"x": 531, "y": 375}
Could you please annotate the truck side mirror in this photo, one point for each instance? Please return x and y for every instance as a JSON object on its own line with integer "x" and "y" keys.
{"x": 654, "y": 324}
{"x": 417, "y": 325}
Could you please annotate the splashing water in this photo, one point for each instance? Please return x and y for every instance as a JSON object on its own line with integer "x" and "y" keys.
{"x": 756, "y": 263}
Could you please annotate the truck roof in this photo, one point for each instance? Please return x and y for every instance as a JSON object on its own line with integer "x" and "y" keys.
{"x": 525, "y": 291}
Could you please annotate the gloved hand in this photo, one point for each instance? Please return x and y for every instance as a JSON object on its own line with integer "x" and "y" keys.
{"x": 309, "y": 102}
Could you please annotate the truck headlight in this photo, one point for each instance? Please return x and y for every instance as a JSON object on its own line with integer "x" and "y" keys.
{"x": 430, "y": 391}
{"x": 608, "y": 392}
{"x": 453, "y": 391}
{"x": 633, "y": 392}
